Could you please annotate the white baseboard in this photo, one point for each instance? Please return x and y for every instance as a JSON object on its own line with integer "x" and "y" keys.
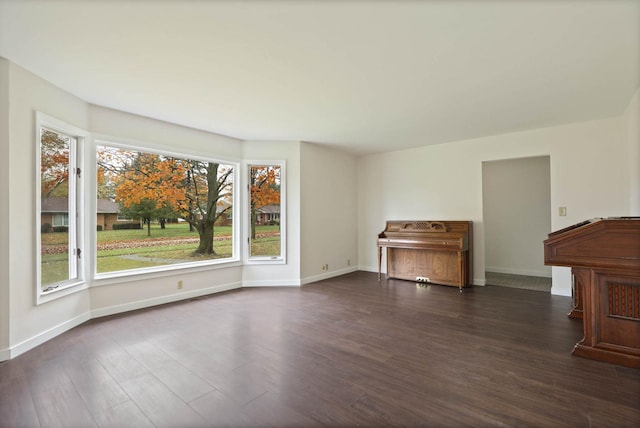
{"x": 5, "y": 354}
{"x": 141, "y": 304}
{"x": 49, "y": 334}
{"x": 271, "y": 283}
{"x": 560, "y": 291}
{"x": 373, "y": 269}
{"x": 511, "y": 271}
{"x": 327, "y": 275}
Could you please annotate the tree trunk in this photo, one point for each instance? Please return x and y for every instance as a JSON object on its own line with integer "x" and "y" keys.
{"x": 206, "y": 224}
{"x": 253, "y": 223}
{"x": 148, "y": 227}
{"x": 205, "y": 230}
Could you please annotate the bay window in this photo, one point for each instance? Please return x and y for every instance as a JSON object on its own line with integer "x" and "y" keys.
{"x": 168, "y": 209}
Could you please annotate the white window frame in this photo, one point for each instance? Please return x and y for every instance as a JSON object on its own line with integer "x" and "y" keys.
{"x": 105, "y": 278}
{"x": 76, "y": 281}
{"x": 256, "y": 260}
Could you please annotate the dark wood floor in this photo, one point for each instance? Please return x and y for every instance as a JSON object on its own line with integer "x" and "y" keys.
{"x": 348, "y": 351}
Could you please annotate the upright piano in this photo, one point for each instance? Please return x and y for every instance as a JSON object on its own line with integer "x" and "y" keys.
{"x": 438, "y": 252}
{"x": 604, "y": 256}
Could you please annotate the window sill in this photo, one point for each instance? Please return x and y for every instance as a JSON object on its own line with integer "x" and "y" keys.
{"x": 61, "y": 291}
{"x": 265, "y": 261}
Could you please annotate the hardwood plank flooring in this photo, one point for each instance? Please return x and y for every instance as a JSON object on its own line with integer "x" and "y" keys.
{"x": 347, "y": 351}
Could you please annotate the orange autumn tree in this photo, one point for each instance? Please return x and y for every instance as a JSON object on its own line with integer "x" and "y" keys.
{"x": 151, "y": 186}
{"x": 265, "y": 190}
{"x": 54, "y": 164}
{"x": 157, "y": 186}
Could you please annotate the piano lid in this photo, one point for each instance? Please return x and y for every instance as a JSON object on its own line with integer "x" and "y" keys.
{"x": 573, "y": 226}
{"x": 425, "y": 227}
{"x": 417, "y": 226}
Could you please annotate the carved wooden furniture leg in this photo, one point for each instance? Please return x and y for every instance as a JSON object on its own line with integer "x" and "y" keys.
{"x": 379, "y": 263}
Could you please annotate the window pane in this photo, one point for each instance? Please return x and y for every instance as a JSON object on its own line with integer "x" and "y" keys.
{"x": 156, "y": 210}
{"x": 57, "y": 244}
{"x": 60, "y": 220}
{"x": 265, "y": 211}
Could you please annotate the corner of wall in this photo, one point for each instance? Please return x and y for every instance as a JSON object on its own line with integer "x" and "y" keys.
{"x": 632, "y": 115}
{"x": 4, "y": 209}
{"x": 329, "y": 209}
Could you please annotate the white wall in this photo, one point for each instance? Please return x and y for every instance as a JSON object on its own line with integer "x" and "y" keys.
{"x": 289, "y": 273}
{"x": 632, "y": 118}
{"x": 328, "y": 213}
{"x": 589, "y": 176}
{"x": 516, "y": 204}
{"x": 4, "y": 209}
{"x": 30, "y": 324}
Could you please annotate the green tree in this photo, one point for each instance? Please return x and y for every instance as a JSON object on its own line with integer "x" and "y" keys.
{"x": 145, "y": 210}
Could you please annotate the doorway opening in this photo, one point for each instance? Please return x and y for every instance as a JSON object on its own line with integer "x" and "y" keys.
{"x": 516, "y": 205}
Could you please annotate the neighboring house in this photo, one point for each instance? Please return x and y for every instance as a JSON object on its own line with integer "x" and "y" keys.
{"x": 107, "y": 213}
{"x": 268, "y": 214}
{"x": 226, "y": 218}
{"x": 54, "y": 211}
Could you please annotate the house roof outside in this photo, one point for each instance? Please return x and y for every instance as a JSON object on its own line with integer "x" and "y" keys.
{"x": 60, "y": 205}
{"x": 269, "y": 209}
{"x": 54, "y": 205}
{"x": 105, "y": 206}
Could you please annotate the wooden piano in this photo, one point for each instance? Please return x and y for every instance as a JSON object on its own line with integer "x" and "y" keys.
{"x": 604, "y": 256}
{"x": 436, "y": 252}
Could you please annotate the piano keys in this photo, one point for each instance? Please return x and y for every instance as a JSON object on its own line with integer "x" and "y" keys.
{"x": 438, "y": 252}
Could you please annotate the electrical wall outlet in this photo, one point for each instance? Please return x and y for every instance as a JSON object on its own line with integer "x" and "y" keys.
{"x": 180, "y": 285}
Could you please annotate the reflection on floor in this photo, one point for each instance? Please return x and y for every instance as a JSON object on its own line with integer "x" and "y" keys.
{"x": 538, "y": 283}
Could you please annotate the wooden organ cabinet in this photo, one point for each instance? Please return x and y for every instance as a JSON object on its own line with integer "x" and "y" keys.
{"x": 436, "y": 252}
{"x": 604, "y": 256}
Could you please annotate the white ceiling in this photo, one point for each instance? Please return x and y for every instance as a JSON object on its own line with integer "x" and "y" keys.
{"x": 367, "y": 76}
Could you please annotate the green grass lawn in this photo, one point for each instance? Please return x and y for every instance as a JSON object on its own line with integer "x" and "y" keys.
{"x": 171, "y": 230}
{"x": 54, "y": 267}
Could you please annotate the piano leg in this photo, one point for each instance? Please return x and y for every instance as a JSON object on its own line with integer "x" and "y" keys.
{"x": 461, "y": 277}
{"x": 379, "y": 262}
